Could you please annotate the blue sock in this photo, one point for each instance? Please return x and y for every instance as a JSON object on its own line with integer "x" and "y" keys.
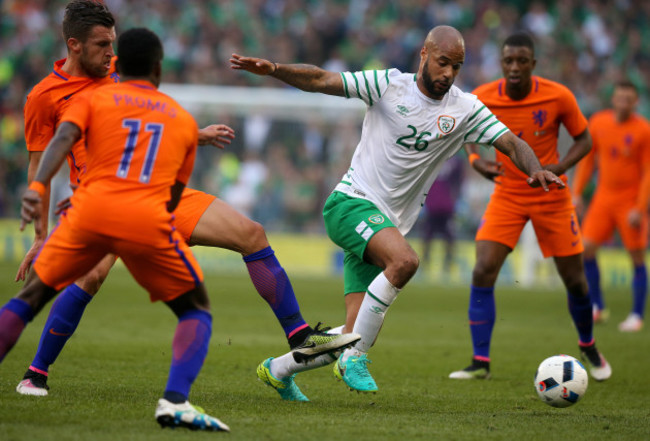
{"x": 593, "y": 280}
{"x": 580, "y": 309}
{"x": 482, "y": 314}
{"x": 189, "y": 349}
{"x": 14, "y": 316}
{"x": 640, "y": 289}
{"x": 64, "y": 317}
{"x": 272, "y": 283}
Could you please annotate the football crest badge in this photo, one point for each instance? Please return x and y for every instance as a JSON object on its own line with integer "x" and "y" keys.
{"x": 446, "y": 123}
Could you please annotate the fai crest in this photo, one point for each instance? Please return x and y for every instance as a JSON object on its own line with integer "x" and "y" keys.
{"x": 446, "y": 123}
{"x": 376, "y": 219}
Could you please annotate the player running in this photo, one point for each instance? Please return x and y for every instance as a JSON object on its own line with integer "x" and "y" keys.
{"x": 137, "y": 156}
{"x": 533, "y": 108}
{"x": 414, "y": 122}
{"x": 201, "y": 219}
{"x": 622, "y": 153}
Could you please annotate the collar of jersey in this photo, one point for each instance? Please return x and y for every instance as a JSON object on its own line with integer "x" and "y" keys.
{"x": 142, "y": 84}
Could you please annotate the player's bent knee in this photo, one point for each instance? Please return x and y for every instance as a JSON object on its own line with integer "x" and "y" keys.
{"x": 407, "y": 265}
{"x": 254, "y": 238}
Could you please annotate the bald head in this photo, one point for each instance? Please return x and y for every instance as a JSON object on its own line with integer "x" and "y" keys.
{"x": 446, "y": 38}
{"x": 441, "y": 57}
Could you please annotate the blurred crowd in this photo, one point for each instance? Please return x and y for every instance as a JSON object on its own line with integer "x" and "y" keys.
{"x": 279, "y": 172}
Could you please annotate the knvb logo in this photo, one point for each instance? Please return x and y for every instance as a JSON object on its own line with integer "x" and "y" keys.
{"x": 539, "y": 117}
{"x": 402, "y": 110}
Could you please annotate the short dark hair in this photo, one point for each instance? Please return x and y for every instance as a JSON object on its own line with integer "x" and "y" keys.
{"x": 519, "y": 39}
{"x": 81, "y": 16}
{"x": 626, "y": 84}
{"x": 138, "y": 52}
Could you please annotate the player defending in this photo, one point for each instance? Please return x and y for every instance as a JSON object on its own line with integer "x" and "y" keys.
{"x": 413, "y": 124}
{"x": 533, "y": 108}
{"x": 137, "y": 157}
{"x": 202, "y": 219}
{"x": 622, "y": 152}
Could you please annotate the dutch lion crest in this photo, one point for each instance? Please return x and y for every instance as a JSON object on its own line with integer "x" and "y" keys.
{"x": 446, "y": 123}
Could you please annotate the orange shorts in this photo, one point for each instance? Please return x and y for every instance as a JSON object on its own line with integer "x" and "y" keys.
{"x": 190, "y": 209}
{"x": 164, "y": 266}
{"x": 552, "y": 215}
{"x": 608, "y": 212}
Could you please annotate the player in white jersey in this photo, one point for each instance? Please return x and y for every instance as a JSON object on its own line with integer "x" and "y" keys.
{"x": 412, "y": 125}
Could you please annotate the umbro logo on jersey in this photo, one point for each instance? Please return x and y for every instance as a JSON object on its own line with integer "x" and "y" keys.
{"x": 446, "y": 123}
{"x": 402, "y": 110}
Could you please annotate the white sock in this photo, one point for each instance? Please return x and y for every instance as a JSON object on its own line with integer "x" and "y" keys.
{"x": 380, "y": 295}
{"x": 285, "y": 365}
{"x": 337, "y": 330}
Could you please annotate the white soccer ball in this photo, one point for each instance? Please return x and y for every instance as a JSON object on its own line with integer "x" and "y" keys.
{"x": 561, "y": 381}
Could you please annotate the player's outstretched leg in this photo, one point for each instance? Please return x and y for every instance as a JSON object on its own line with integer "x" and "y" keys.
{"x": 274, "y": 286}
{"x": 222, "y": 226}
{"x": 482, "y": 315}
{"x": 280, "y": 372}
{"x": 286, "y": 386}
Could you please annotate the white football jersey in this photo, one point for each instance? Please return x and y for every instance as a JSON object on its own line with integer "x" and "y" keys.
{"x": 405, "y": 139}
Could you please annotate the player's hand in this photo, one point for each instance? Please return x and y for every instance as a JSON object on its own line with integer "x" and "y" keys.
{"x": 31, "y": 211}
{"x": 544, "y": 178}
{"x": 219, "y": 135}
{"x": 62, "y": 206}
{"x": 634, "y": 218}
{"x": 556, "y": 169}
{"x": 26, "y": 264}
{"x": 489, "y": 169}
{"x": 258, "y": 66}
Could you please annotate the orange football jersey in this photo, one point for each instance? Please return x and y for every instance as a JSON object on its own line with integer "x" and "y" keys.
{"x": 139, "y": 142}
{"x": 622, "y": 151}
{"x": 47, "y": 102}
{"x": 535, "y": 119}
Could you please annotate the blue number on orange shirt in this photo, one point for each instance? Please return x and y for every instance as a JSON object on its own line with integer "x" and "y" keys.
{"x": 134, "y": 126}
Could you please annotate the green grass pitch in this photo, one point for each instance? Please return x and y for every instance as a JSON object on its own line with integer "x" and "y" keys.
{"x": 106, "y": 382}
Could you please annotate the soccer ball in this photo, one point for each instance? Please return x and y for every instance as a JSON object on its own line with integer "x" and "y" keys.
{"x": 561, "y": 381}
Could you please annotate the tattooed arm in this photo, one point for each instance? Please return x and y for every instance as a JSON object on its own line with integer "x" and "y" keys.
{"x": 303, "y": 76}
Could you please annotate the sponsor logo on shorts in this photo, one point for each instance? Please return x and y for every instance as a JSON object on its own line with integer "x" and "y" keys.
{"x": 376, "y": 219}
{"x": 446, "y": 123}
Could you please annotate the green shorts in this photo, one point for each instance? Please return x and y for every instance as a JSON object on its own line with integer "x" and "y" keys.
{"x": 350, "y": 223}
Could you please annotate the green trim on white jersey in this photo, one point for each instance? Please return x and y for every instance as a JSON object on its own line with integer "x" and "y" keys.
{"x": 406, "y": 137}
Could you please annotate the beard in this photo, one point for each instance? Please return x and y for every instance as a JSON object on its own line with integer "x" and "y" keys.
{"x": 93, "y": 70}
{"x": 436, "y": 88}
